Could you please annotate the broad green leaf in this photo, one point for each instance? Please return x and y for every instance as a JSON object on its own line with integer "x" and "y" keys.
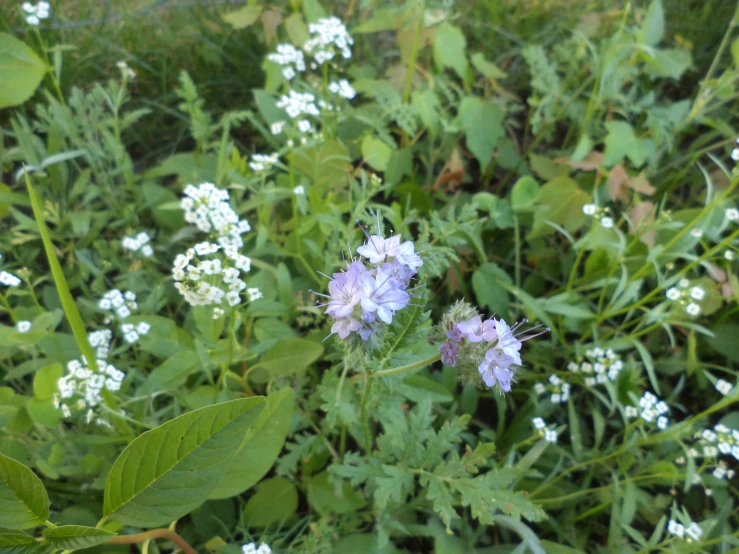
{"x": 326, "y": 497}
{"x": 17, "y": 542}
{"x": 173, "y": 372}
{"x": 21, "y": 71}
{"x": 287, "y": 357}
{"x": 43, "y": 412}
{"x": 490, "y": 70}
{"x": 328, "y": 163}
{"x": 260, "y": 447}
{"x": 296, "y": 29}
{"x": 381, "y": 20}
{"x": 622, "y": 143}
{"x": 486, "y": 282}
{"x": 313, "y": 11}
{"x": 169, "y": 471}
{"x": 560, "y": 201}
{"x": 449, "y": 47}
{"x": 653, "y": 27}
{"x": 76, "y": 537}
{"x": 23, "y": 499}
{"x": 524, "y": 194}
{"x": 724, "y": 340}
{"x": 418, "y": 388}
{"x": 426, "y": 105}
{"x": 45, "y": 381}
{"x": 376, "y": 153}
{"x": 242, "y": 18}
{"x": 275, "y": 500}
{"x": 482, "y": 122}
{"x": 668, "y": 63}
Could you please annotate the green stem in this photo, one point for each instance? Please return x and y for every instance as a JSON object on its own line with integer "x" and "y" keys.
{"x": 155, "y": 534}
{"x": 409, "y": 367}
{"x": 5, "y": 303}
{"x": 368, "y": 380}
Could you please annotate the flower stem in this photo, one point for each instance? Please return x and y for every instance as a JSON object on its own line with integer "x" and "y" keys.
{"x": 155, "y": 534}
{"x": 402, "y": 369}
{"x": 368, "y": 380}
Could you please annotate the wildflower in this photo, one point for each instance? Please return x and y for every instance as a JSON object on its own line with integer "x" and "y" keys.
{"x": 448, "y": 353}
{"x": 697, "y": 293}
{"x": 100, "y": 340}
{"x": 292, "y": 59}
{"x": 732, "y": 214}
{"x": 8, "y": 279}
{"x": 606, "y": 365}
{"x": 138, "y": 243}
{"x": 329, "y": 37}
{"x": 724, "y": 387}
{"x": 84, "y": 386}
{"x": 652, "y": 408}
{"x": 297, "y": 104}
{"x": 729, "y": 255}
{"x": 276, "y": 127}
{"x": 607, "y": 222}
{"x": 23, "y": 326}
{"x": 675, "y": 528}
{"x": 631, "y": 411}
{"x": 261, "y": 162}
{"x": 539, "y": 388}
{"x": 207, "y": 207}
{"x": 253, "y": 294}
{"x": 673, "y": 293}
{"x": 696, "y": 232}
{"x": 251, "y": 548}
{"x": 693, "y": 309}
{"x": 342, "y": 88}
{"x": 494, "y": 368}
{"x": 299, "y": 190}
{"x": 304, "y": 126}
{"x": 126, "y": 71}
{"x": 36, "y": 13}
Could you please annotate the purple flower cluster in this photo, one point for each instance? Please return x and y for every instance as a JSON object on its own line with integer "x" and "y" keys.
{"x": 500, "y": 358}
{"x": 366, "y": 294}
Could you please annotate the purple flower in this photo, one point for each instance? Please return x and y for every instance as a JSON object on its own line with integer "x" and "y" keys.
{"x": 380, "y": 294}
{"x": 494, "y": 368}
{"x": 477, "y": 330}
{"x": 344, "y": 326}
{"x": 377, "y": 248}
{"x": 507, "y": 341}
{"x": 406, "y": 255}
{"x": 448, "y": 353}
{"x": 401, "y": 273}
{"x": 455, "y": 334}
{"x": 345, "y": 291}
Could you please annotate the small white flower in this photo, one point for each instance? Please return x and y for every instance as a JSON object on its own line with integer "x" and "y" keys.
{"x": 719, "y": 472}
{"x": 732, "y": 214}
{"x": 662, "y": 422}
{"x": 683, "y": 283}
{"x": 276, "y": 128}
{"x": 8, "y": 279}
{"x": 676, "y": 528}
{"x": 589, "y": 209}
{"x": 299, "y": 190}
{"x": 724, "y": 387}
{"x": 218, "y": 312}
{"x": 693, "y": 309}
{"x": 254, "y": 294}
{"x": 23, "y": 326}
{"x": 539, "y": 423}
{"x": 631, "y": 411}
{"x": 32, "y": 20}
{"x": 539, "y": 388}
{"x": 735, "y": 154}
{"x": 697, "y": 293}
{"x": 710, "y": 451}
{"x": 697, "y": 233}
{"x": 607, "y": 222}
{"x": 550, "y": 436}
{"x": 729, "y": 255}
{"x": 304, "y": 126}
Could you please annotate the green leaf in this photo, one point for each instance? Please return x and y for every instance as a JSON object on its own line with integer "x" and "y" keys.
{"x": 653, "y": 27}
{"x": 482, "y": 122}
{"x": 449, "y": 47}
{"x": 490, "y": 70}
{"x": 173, "y": 372}
{"x": 376, "y": 153}
{"x": 45, "y": 381}
{"x": 560, "y": 201}
{"x": 242, "y": 18}
{"x": 275, "y": 500}
{"x": 621, "y": 142}
{"x": 21, "y": 71}
{"x": 260, "y": 447}
{"x": 76, "y": 537}
{"x": 169, "y": 471}
{"x": 524, "y": 194}
{"x": 287, "y": 357}
{"x": 735, "y": 52}
{"x": 23, "y": 499}
{"x": 668, "y": 63}
{"x": 326, "y": 497}
{"x": 724, "y": 340}
{"x": 16, "y": 542}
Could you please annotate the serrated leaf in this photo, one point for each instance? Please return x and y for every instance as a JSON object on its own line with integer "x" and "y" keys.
{"x": 21, "y": 71}
{"x": 76, "y": 537}
{"x": 23, "y": 499}
{"x": 449, "y": 47}
{"x": 169, "y": 471}
{"x": 482, "y": 122}
{"x": 260, "y": 447}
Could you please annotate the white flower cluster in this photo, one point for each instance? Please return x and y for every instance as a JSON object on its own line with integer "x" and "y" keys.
{"x": 331, "y": 37}
{"x": 687, "y": 298}
{"x": 100, "y": 340}
{"x": 679, "y": 530}
{"x": 126, "y": 71}
{"x": 299, "y": 105}
{"x": 8, "y": 279}
{"x": 724, "y": 387}
{"x": 342, "y": 88}
{"x": 651, "y": 408}
{"x": 207, "y": 207}
{"x": 550, "y": 435}
{"x": 600, "y": 214}
{"x": 205, "y": 276}
{"x": 251, "y": 548}
{"x": 139, "y": 243}
{"x": 34, "y": 14}
{"x": 260, "y": 162}
{"x": 559, "y": 390}
{"x": 132, "y": 332}
{"x": 23, "y": 326}
{"x": 81, "y": 388}
{"x": 291, "y": 58}
{"x": 122, "y": 304}
{"x": 600, "y": 366}
{"x": 722, "y": 440}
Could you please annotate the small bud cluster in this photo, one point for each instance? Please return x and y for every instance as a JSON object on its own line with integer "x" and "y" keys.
{"x": 687, "y": 296}
{"x": 558, "y": 389}
{"x": 35, "y": 13}
{"x": 370, "y": 290}
{"x": 549, "y": 434}
{"x": 8, "y": 279}
{"x": 122, "y": 305}
{"x": 262, "y": 162}
{"x": 330, "y": 38}
{"x": 601, "y": 214}
{"x": 291, "y": 58}
{"x": 251, "y": 548}
{"x": 598, "y": 366}
{"x": 208, "y": 209}
{"x": 139, "y": 243}
{"x": 720, "y": 440}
